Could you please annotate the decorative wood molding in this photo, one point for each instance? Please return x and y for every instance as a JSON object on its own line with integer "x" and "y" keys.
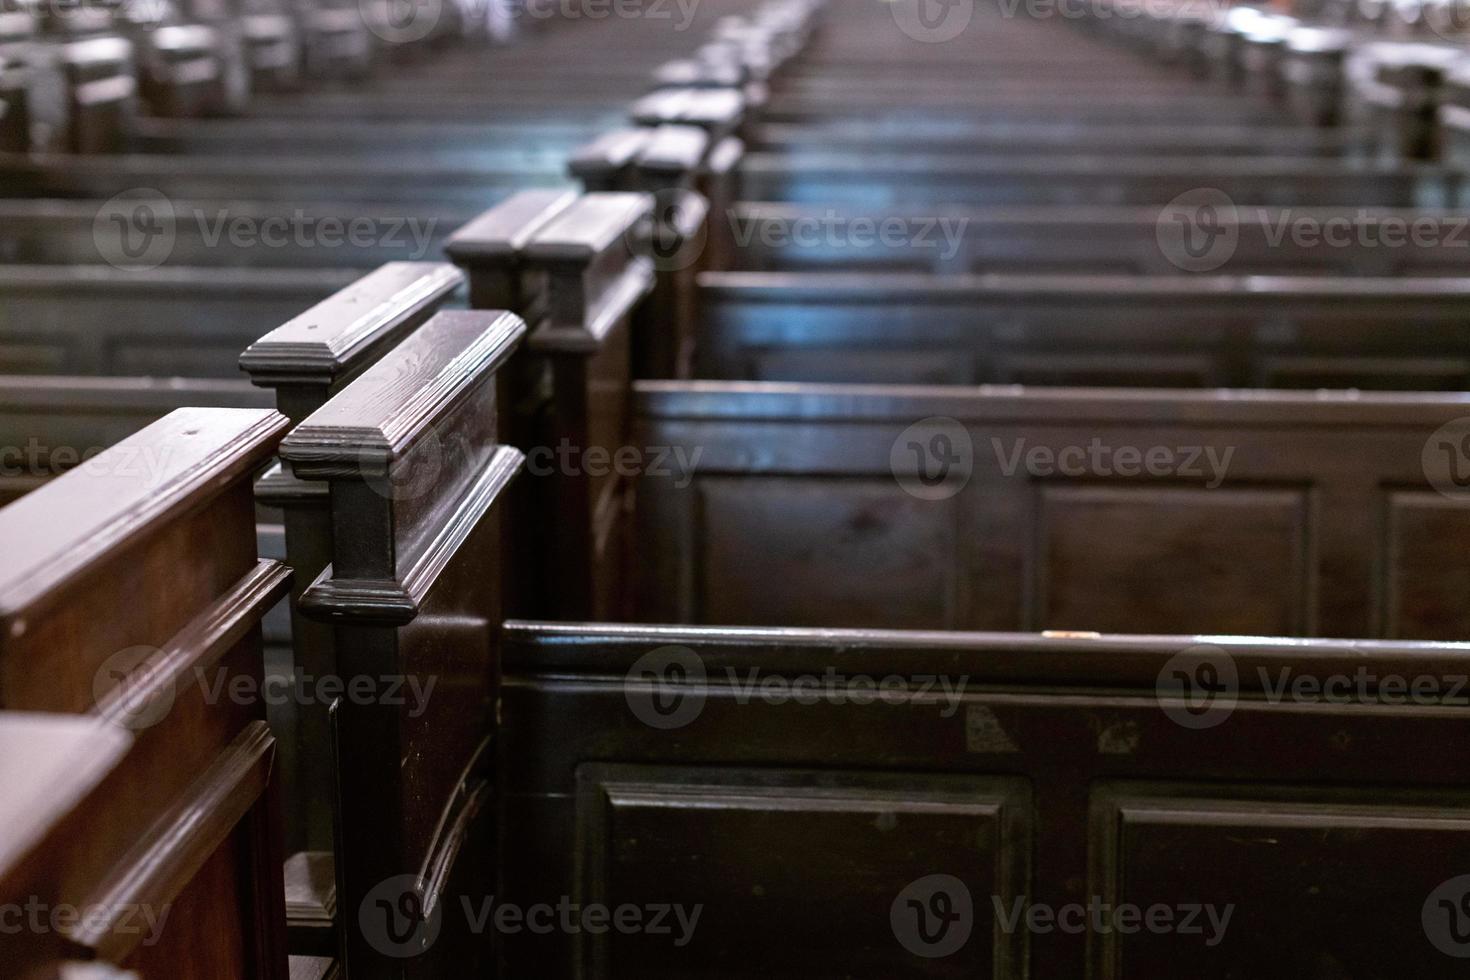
{"x": 59, "y": 532}
{"x": 332, "y": 340}
{"x": 155, "y": 872}
{"x": 377, "y": 418}
{"x": 388, "y": 602}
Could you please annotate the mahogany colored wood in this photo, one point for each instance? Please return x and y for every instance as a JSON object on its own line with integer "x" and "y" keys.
{"x": 134, "y": 596}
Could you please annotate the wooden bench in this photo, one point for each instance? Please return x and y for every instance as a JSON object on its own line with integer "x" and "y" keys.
{"x": 305, "y": 362}
{"x": 937, "y": 181}
{"x": 577, "y": 271}
{"x": 1327, "y": 514}
{"x": 1100, "y": 240}
{"x": 1146, "y": 331}
{"x": 763, "y": 790}
{"x": 134, "y": 597}
{"x": 185, "y": 322}
{"x": 413, "y": 592}
{"x": 1036, "y": 138}
{"x": 210, "y": 234}
{"x": 293, "y": 179}
{"x": 49, "y": 425}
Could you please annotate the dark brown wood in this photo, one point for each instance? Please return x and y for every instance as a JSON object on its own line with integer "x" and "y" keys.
{"x": 49, "y": 425}
{"x": 305, "y": 362}
{"x": 932, "y": 180}
{"x": 134, "y": 596}
{"x": 800, "y": 827}
{"x": 1266, "y": 513}
{"x": 1155, "y": 331}
{"x": 163, "y": 322}
{"x": 416, "y": 475}
{"x": 577, "y": 272}
{"x": 1099, "y": 240}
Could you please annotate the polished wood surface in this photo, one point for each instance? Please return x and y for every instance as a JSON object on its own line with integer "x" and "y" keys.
{"x": 807, "y": 828}
{"x": 135, "y": 598}
{"x": 1208, "y": 331}
{"x": 1273, "y": 513}
{"x": 413, "y": 592}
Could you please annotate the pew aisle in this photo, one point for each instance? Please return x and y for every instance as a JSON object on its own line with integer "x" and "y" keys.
{"x": 840, "y": 746}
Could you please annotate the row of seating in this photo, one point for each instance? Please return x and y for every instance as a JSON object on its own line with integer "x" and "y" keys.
{"x": 712, "y": 574}
{"x": 205, "y": 844}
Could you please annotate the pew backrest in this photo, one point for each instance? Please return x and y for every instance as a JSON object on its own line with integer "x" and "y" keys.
{"x": 134, "y": 595}
{"x": 1263, "y": 513}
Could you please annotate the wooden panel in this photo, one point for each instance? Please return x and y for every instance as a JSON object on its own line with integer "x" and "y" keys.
{"x": 1305, "y": 799}
{"x": 413, "y": 590}
{"x": 844, "y": 860}
{"x": 1280, "y": 875}
{"x": 1230, "y": 561}
{"x": 905, "y": 551}
{"x": 1427, "y": 533}
{"x": 1083, "y": 330}
{"x": 135, "y": 595}
{"x": 928, "y": 367}
{"x": 1140, "y": 511}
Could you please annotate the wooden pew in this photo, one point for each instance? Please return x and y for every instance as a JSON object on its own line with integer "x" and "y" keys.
{"x": 937, "y": 180}
{"x": 53, "y": 763}
{"x": 1100, "y": 240}
{"x": 186, "y": 322}
{"x": 49, "y": 425}
{"x": 210, "y": 234}
{"x": 293, "y": 179}
{"x": 1265, "y": 513}
{"x": 208, "y": 137}
{"x": 410, "y": 454}
{"x": 758, "y": 782}
{"x": 134, "y": 596}
{"x": 305, "y": 362}
{"x": 1038, "y": 137}
{"x": 1146, "y": 331}
{"x": 576, "y": 270}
